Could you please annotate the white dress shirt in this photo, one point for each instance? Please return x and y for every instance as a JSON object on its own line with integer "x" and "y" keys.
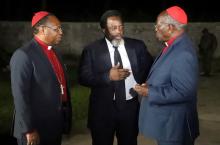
{"x": 129, "y": 81}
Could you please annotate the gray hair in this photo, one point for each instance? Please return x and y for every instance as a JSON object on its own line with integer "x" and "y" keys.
{"x": 169, "y": 20}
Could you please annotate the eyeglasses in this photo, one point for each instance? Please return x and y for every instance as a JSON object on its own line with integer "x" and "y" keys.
{"x": 57, "y": 29}
{"x": 161, "y": 24}
{"x": 158, "y": 26}
{"x": 113, "y": 28}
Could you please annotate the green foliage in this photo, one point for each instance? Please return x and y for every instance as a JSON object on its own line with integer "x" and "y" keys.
{"x": 80, "y": 99}
{"x": 72, "y": 75}
{"x": 6, "y": 107}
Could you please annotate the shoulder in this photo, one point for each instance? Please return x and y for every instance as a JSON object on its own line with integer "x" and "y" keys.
{"x": 28, "y": 47}
{"x": 185, "y": 53}
{"x": 95, "y": 43}
{"x": 132, "y": 40}
{"x": 184, "y": 42}
{"x": 136, "y": 44}
{"x": 20, "y": 58}
{"x": 213, "y": 36}
{"x": 25, "y": 51}
{"x": 184, "y": 48}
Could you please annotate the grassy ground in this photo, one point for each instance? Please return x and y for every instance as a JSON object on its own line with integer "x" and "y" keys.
{"x": 80, "y": 97}
{"x": 6, "y": 107}
{"x": 6, "y": 110}
{"x": 80, "y": 108}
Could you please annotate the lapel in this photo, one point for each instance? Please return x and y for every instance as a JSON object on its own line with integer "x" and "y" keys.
{"x": 44, "y": 58}
{"x": 64, "y": 71}
{"x": 61, "y": 62}
{"x": 156, "y": 61}
{"x": 104, "y": 53}
{"x": 131, "y": 56}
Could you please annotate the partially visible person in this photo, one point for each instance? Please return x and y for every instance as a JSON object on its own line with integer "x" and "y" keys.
{"x": 207, "y": 47}
{"x": 168, "y": 111}
{"x": 111, "y": 66}
{"x": 39, "y": 86}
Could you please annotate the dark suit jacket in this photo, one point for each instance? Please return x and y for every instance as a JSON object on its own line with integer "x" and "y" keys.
{"x": 36, "y": 93}
{"x": 94, "y": 73}
{"x": 169, "y": 111}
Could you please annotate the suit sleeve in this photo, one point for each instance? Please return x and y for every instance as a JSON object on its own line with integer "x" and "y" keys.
{"x": 87, "y": 76}
{"x": 183, "y": 83}
{"x": 21, "y": 73}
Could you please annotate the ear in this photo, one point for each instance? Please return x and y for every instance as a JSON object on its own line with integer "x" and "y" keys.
{"x": 103, "y": 30}
{"x": 40, "y": 29}
{"x": 168, "y": 29}
{"x": 44, "y": 31}
{"x": 171, "y": 27}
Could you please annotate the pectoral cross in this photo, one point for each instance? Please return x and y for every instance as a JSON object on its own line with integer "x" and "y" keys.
{"x": 62, "y": 89}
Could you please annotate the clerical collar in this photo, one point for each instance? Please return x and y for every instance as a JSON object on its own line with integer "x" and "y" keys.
{"x": 169, "y": 42}
{"x": 42, "y": 44}
{"x": 49, "y": 47}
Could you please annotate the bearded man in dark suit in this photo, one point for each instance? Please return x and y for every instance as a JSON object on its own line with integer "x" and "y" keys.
{"x": 110, "y": 67}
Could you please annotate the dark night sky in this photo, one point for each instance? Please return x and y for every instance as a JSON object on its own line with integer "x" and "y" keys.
{"x": 91, "y": 10}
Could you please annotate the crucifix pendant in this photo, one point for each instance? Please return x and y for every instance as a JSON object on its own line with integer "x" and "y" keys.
{"x": 62, "y": 89}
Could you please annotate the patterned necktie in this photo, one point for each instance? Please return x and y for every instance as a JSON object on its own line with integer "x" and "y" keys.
{"x": 117, "y": 57}
{"x": 119, "y": 85}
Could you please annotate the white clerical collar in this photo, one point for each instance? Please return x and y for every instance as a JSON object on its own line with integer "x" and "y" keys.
{"x": 49, "y": 47}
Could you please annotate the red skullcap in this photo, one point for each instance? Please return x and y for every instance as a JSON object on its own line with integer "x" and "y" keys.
{"x": 177, "y": 14}
{"x": 38, "y": 16}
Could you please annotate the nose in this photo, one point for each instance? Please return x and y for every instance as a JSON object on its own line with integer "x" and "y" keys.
{"x": 118, "y": 30}
{"x": 155, "y": 28}
{"x": 60, "y": 31}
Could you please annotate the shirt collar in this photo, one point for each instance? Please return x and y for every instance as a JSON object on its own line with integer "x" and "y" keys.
{"x": 110, "y": 44}
{"x": 42, "y": 44}
{"x": 169, "y": 42}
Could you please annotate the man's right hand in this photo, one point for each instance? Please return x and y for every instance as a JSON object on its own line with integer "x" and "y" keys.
{"x": 33, "y": 138}
{"x": 117, "y": 74}
{"x": 142, "y": 89}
